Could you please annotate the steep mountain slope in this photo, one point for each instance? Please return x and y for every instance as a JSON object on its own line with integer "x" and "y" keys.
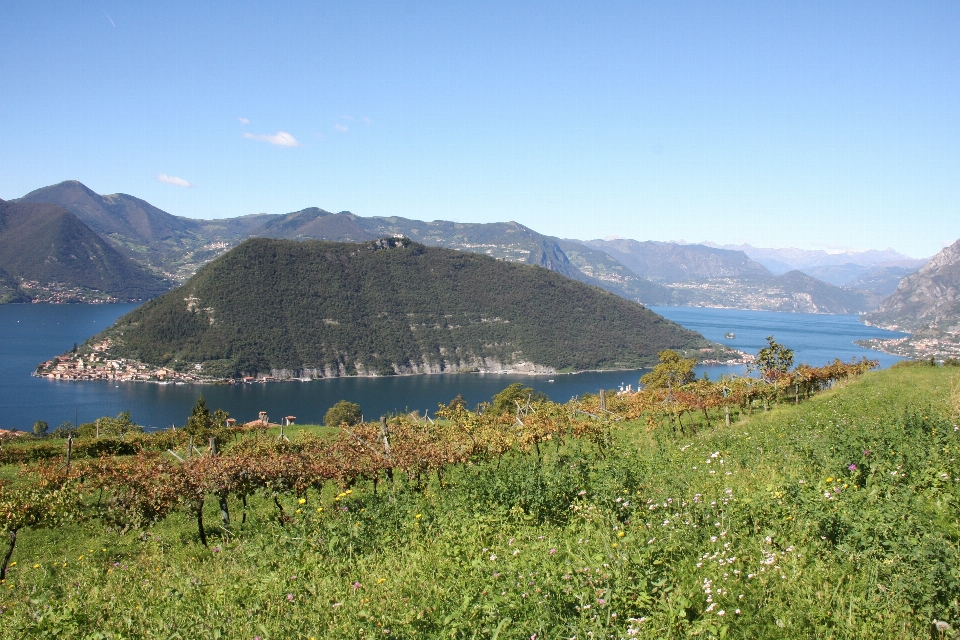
{"x": 670, "y": 262}
{"x": 881, "y": 281}
{"x": 383, "y": 307}
{"x": 930, "y": 298}
{"x": 49, "y": 246}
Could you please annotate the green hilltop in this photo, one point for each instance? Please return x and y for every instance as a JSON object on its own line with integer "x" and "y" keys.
{"x": 317, "y": 308}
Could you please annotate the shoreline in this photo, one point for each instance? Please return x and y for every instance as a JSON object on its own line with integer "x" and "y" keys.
{"x": 177, "y": 378}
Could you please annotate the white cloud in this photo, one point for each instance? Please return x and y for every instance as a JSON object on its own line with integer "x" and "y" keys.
{"x": 243, "y": 120}
{"x": 280, "y": 138}
{"x": 366, "y": 121}
{"x": 342, "y": 128}
{"x": 174, "y": 180}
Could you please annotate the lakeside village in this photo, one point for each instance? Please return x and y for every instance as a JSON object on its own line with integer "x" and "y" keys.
{"x": 920, "y": 346}
{"x": 95, "y": 363}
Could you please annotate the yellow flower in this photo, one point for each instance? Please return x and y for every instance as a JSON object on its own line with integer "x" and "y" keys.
{"x": 36, "y": 566}
{"x": 418, "y": 515}
{"x": 381, "y": 580}
{"x": 615, "y": 545}
{"x": 319, "y": 509}
{"x": 298, "y": 510}
{"x": 829, "y": 479}
{"x": 620, "y": 534}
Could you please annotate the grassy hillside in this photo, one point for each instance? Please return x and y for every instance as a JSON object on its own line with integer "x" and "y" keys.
{"x": 386, "y": 307}
{"x": 832, "y": 519}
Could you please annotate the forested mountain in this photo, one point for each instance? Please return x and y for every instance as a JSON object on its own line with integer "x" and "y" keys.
{"x": 928, "y": 299}
{"x": 47, "y": 249}
{"x": 508, "y": 241}
{"x": 387, "y": 306}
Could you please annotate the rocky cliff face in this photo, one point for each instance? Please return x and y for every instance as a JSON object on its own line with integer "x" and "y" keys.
{"x": 929, "y": 298}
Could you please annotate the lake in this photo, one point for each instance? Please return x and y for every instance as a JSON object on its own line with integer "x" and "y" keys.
{"x": 30, "y": 334}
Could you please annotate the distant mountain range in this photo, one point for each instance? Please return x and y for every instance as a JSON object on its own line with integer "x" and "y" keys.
{"x": 653, "y": 273}
{"x": 390, "y": 306}
{"x": 47, "y": 253}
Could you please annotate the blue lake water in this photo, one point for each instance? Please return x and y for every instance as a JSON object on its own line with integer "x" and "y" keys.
{"x": 30, "y": 334}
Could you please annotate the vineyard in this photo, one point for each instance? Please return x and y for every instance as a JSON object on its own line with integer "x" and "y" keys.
{"x": 598, "y": 516}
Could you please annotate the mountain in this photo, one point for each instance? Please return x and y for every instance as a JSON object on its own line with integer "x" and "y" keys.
{"x": 167, "y": 244}
{"x": 389, "y": 306}
{"x": 648, "y": 272}
{"x": 508, "y": 241}
{"x": 672, "y": 262}
{"x": 52, "y": 254}
{"x": 928, "y": 299}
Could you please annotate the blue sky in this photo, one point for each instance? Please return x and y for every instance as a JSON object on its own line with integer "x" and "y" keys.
{"x": 809, "y": 124}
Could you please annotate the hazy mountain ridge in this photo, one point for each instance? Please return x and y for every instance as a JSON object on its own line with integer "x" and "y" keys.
{"x": 708, "y": 276}
{"x": 50, "y": 254}
{"x": 324, "y": 309}
{"x": 781, "y": 260}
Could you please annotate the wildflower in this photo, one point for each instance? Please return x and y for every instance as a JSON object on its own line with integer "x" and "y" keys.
{"x": 381, "y": 580}
{"x": 620, "y": 534}
{"x": 552, "y": 551}
{"x": 216, "y": 549}
{"x": 302, "y": 501}
{"x": 289, "y": 597}
{"x": 418, "y": 516}
{"x": 493, "y": 556}
{"x": 356, "y": 585}
{"x": 721, "y": 612}
{"x": 852, "y": 467}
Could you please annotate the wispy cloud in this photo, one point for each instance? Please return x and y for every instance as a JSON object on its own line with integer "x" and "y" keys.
{"x": 243, "y": 120}
{"x": 366, "y": 121}
{"x": 350, "y": 118}
{"x": 280, "y": 138}
{"x": 174, "y": 180}
{"x": 342, "y": 128}
{"x": 111, "y": 20}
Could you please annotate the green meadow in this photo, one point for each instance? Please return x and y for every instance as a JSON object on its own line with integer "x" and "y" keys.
{"x": 833, "y": 518}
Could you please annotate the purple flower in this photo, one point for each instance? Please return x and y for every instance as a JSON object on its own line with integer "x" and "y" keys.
{"x": 867, "y": 452}
{"x": 852, "y": 467}
{"x": 552, "y": 551}
{"x": 216, "y": 549}
{"x": 356, "y": 585}
{"x": 289, "y": 597}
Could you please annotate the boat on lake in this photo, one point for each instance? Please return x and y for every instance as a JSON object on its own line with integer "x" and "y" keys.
{"x": 730, "y": 335}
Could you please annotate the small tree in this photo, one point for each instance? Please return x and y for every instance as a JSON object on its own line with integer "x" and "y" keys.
{"x": 672, "y": 372}
{"x": 40, "y": 428}
{"x": 200, "y": 422}
{"x": 344, "y": 412}
{"x": 506, "y": 401}
{"x": 774, "y": 360}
